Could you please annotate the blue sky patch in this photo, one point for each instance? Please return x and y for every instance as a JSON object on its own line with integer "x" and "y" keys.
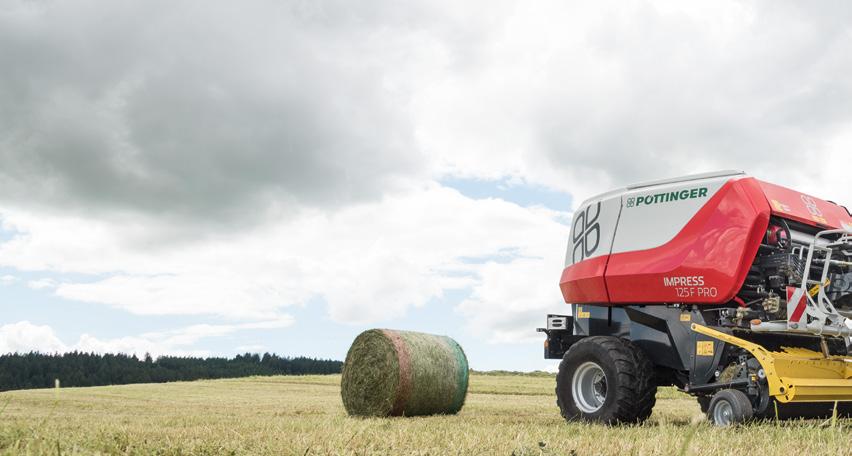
{"x": 522, "y": 194}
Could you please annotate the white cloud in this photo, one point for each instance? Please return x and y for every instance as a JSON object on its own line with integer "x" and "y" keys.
{"x": 590, "y": 97}
{"x": 8, "y": 279}
{"x": 133, "y": 345}
{"x": 41, "y": 284}
{"x": 370, "y": 262}
{"x": 511, "y": 299}
{"x": 190, "y": 335}
{"x": 23, "y": 337}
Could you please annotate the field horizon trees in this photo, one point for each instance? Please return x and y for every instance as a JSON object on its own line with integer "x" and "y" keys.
{"x": 39, "y": 370}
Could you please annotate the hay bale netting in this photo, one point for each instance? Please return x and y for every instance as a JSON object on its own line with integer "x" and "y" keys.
{"x": 394, "y": 373}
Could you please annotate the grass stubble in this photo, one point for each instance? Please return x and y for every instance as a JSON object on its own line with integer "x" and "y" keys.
{"x": 304, "y": 415}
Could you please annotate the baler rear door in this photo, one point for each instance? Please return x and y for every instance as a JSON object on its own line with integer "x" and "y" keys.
{"x": 592, "y": 231}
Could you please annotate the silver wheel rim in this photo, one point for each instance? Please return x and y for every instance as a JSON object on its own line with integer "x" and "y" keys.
{"x": 589, "y": 387}
{"x": 723, "y": 413}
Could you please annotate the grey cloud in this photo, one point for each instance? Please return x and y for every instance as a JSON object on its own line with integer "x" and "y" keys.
{"x": 208, "y": 112}
{"x": 223, "y": 111}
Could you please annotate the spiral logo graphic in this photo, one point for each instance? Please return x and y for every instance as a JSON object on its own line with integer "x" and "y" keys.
{"x": 586, "y": 233}
{"x": 811, "y": 205}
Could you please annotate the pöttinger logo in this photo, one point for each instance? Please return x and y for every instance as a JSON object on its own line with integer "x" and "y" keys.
{"x": 586, "y": 233}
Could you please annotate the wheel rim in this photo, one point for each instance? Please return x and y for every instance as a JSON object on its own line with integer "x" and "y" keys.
{"x": 723, "y": 413}
{"x": 589, "y": 387}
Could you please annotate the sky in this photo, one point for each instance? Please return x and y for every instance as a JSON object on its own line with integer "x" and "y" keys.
{"x": 210, "y": 178}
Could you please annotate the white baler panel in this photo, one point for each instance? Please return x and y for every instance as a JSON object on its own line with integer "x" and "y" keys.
{"x": 593, "y": 228}
{"x": 653, "y": 215}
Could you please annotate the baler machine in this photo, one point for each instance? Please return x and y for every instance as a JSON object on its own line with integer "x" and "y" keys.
{"x": 734, "y": 290}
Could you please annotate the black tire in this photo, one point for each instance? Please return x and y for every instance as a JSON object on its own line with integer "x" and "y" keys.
{"x": 628, "y": 390}
{"x": 729, "y": 407}
{"x": 648, "y": 388}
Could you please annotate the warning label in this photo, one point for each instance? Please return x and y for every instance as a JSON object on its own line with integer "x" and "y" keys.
{"x": 704, "y": 348}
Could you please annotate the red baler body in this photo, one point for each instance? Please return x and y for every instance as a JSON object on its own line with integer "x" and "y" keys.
{"x": 709, "y": 256}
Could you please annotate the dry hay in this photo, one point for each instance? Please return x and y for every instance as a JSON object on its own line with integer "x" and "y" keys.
{"x": 396, "y": 373}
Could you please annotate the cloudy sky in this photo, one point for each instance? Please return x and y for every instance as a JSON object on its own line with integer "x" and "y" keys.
{"x": 209, "y": 178}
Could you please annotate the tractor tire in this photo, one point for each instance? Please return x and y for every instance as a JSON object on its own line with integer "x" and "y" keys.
{"x": 649, "y": 387}
{"x": 607, "y": 380}
{"x": 729, "y": 407}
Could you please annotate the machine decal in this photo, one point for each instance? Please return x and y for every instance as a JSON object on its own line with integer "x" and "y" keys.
{"x": 685, "y": 317}
{"x": 689, "y": 281}
{"x": 586, "y": 233}
{"x": 813, "y": 208}
{"x": 780, "y": 207}
{"x": 692, "y": 292}
{"x": 666, "y": 197}
{"x": 690, "y": 286}
{"x": 704, "y": 348}
{"x": 805, "y": 208}
{"x": 593, "y": 229}
{"x": 815, "y": 289}
{"x": 581, "y": 314}
{"x": 673, "y": 204}
{"x": 796, "y": 302}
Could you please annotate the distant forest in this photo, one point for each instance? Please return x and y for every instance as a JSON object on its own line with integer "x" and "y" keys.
{"x": 37, "y": 370}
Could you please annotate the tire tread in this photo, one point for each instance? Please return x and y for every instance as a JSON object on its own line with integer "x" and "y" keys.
{"x": 635, "y": 387}
{"x": 742, "y": 407}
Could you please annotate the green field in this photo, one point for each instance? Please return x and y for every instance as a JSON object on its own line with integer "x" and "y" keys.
{"x": 303, "y": 415}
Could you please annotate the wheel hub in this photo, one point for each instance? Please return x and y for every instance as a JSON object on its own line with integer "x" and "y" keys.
{"x": 723, "y": 413}
{"x": 589, "y": 387}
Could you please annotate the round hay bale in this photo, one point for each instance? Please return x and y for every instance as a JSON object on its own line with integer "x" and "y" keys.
{"x": 396, "y": 373}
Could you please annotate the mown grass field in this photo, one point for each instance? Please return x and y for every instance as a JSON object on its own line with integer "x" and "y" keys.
{"x": 303, "y": 415}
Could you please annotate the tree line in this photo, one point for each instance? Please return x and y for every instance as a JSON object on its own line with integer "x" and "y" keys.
{"x": 38, "y": 370}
